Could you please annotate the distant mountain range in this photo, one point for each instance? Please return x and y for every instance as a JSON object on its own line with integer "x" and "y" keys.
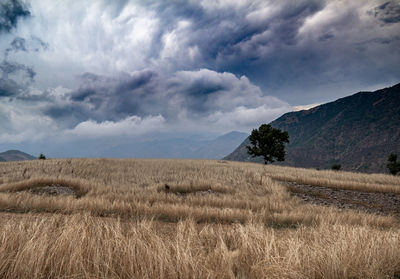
{"x": 154, "y": 146}
{"x": 15, "y": 155}
{"x": 219, "y": 147}
{"x": 178, "y": 147}
{"x": 357, "y": 132}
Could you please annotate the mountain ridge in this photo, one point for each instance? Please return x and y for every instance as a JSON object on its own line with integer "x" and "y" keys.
{"x": 15, "y": 155}
{"x": 357, "y": 131}
{"x": 184, "y": 148}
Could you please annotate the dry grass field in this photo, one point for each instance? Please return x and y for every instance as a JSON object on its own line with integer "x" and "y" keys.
{"x": 105, "y": 218}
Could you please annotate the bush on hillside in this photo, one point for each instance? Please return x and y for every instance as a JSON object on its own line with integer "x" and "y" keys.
{"x": 42, "y": 157}
{"x": 393, "y": 165}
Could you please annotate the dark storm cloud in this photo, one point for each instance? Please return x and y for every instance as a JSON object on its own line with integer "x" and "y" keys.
{"x": 221, "y": 32}
{"x": 9, "y": 88}
{"x": 326, "y": 37}
{"x": 210, "y": 63}
{"x": 15, "y": 78}
{"x": 288, "y": 48}
{"x": 136, "y": 81}
{"x": 34, "y": 44}
{"x": 37, "y": 44}
{"x": 8, "y": 68}
{"x": 197, "y": 94}
{"x": 259, "y": 40}
{"x": 388, "y": 12}
{"x": 108, "y": 98}
{"x": 68, "y": 114}
{"x": 104, "y": 98}
{"x": 18, "y": 44}
{"x": 83, "y": 94}
{"x": 265, "y": 41}
{"x": 10, "y": 12}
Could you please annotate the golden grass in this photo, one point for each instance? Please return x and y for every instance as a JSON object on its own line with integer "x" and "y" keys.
{"x": 87, "y": 247}
{"x": 80, "y": 188}
{"x": 380, "y": 183}
{"x": 214, "y": 220}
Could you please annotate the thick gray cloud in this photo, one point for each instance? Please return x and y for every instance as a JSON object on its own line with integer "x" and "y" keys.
{"x": 18, "y": 44}
{"x": 34, "y": 44}
{"x": 227, "y": 36}
{"x": 15, "y": 78}
{"x": 305, "y": 51}
{"x": 188, "y": 97}
{"x": 388, "y": 12}
{"x": 9, "y": 88}
{"x": 10, "y": 12}
{"x": 97, "y": 68}
{"x": 302, "y": 51}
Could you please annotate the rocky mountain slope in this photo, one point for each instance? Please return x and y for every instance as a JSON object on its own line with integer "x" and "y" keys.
{"x": 357, "y": 132}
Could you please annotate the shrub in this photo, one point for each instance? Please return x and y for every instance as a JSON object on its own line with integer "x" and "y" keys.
{"x": 393, "y": 165}
{"x": 42, "y": 157}
{"x": 336, "y": 167}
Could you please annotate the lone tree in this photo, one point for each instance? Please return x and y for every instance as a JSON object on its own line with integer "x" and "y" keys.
{"x": 336, "y": 167}
{"x": 269, "y": 143}
{"x": 42, "y": 157}
{"x": 393, "y": 165}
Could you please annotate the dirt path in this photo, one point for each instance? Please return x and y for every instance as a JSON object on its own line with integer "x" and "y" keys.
{"x": 377, "y": 203}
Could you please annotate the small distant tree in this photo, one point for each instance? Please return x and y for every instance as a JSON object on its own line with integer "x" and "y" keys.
{"x": 42, "y": 157}
{"x": 393, "y": 165}
{"x": 269, "y": 143}
{"x": 336, "y": 167}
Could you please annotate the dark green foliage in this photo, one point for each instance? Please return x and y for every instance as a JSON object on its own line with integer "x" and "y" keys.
{"x": 336, "y": 167}
{"x": 269, "y": 143}
{"x": 42, "y": 157}
{"x": 393, "y": 165}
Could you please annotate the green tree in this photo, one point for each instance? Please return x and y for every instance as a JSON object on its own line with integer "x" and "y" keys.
{"x": 393, "y": 165}
{"x": 269, "y": 143}
{"x": 42, "y": 157}
{"x": 336, "y": 167}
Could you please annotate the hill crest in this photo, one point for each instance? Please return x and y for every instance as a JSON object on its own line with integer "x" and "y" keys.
{"x": 15, "y": 155}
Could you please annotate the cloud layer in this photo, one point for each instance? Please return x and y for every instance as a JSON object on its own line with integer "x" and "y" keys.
{"x": 10, "y": 12}
{"x": 96, "y": 69}
{"x": 202, "y": 100}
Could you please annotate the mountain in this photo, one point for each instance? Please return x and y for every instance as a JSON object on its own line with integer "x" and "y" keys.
{"x": 177, "y": 147}
{"x": 357, "y": 132}
{"x": 219, "y": 147}
{"x": 15, "y": 155}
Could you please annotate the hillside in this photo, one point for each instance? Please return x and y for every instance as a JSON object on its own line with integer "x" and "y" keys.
{"x": 357, "y": 132}
{"x": 15, "y": 155}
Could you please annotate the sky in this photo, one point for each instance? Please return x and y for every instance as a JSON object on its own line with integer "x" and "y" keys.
{"x": 75, "y": 73}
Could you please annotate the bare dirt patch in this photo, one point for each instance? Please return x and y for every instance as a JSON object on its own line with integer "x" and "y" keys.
{"x": 377, "y": 203}
{"x": 54, "y": 190}
{"x": 47, "y": 186}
